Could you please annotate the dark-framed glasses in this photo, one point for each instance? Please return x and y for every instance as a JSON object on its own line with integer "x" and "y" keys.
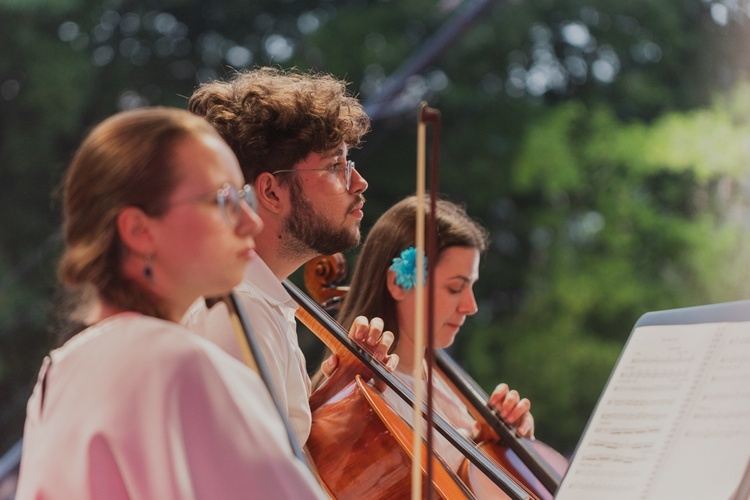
{"x": 229, "y": 199}
{"x": 347, "y": 169}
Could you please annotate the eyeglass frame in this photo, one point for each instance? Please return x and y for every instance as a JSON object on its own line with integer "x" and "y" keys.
{"x": 227, "y": 192}
{"x": 350, "y": 166}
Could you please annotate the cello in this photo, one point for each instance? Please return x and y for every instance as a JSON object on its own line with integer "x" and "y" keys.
{"x": 337, "y": 415}
{"x": 531, "y": 462}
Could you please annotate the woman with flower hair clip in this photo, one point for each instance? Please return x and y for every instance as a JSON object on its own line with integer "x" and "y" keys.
{"x": 382, "y": 285}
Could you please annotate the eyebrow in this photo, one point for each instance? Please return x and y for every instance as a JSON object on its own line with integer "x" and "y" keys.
{"x": 335, "y": 152}
{"x": 461, "y": 277}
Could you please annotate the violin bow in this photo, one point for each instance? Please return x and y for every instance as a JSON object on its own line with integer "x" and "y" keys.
{"x": 424, "y": 340}
{"x": 253, "y": 358}
{"x": 549, "y": 478}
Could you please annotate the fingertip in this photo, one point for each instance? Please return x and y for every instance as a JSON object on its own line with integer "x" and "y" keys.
{"x": 360, "y": 319}
{"x": 388, "y": 338}
{"x": 359, "y": 328}
{"x": 392, "y": 363}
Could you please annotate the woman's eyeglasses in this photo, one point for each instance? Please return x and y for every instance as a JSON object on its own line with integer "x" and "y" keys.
{"x": 230, "y": 200}
{"x": 346, "y": 169}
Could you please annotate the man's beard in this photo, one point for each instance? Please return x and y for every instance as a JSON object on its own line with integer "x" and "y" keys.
{"x": 312, "y": 232}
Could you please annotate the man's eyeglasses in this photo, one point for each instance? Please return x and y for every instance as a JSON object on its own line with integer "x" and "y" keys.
{"x": 347, "y": 171}
{"x": 229, "y": 200}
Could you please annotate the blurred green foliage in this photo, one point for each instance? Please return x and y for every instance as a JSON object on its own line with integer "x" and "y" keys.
{"x": 603, "y": 143}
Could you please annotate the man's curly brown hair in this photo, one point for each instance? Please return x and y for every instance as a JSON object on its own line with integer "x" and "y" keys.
{"x": 274, "y": 118}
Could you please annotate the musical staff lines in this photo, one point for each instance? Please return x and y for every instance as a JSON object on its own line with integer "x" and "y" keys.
{"x": 675, "y": 412}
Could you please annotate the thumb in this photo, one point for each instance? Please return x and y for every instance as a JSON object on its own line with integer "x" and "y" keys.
{"x": 329, "y": 365}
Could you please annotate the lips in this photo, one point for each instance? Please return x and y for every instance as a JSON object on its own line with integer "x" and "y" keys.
{"x": 356, "y": 210}
{"x": 358, "y": 205}
{"x": 247, "y": 253}
{"x": 455, "y": 325}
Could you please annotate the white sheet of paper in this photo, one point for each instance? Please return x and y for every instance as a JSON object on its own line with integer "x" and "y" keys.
{"x": 673, "y": 421}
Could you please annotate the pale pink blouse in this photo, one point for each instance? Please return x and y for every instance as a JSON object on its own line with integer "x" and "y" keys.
{"x": 135, "y": 407}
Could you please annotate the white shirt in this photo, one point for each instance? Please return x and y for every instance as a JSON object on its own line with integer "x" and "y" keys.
{"x": 270, "y": 312}
{"x": 136, "y": 407}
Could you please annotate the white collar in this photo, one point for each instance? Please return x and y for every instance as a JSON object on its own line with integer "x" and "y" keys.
{"x": 259, "y": 277}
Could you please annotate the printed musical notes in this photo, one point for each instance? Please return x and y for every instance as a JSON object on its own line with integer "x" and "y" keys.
{"x": 674, "y": 419}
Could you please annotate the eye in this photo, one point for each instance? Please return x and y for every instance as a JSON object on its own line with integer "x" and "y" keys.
{"x": 222, "y": 195}
{"x": 339, "y": 165}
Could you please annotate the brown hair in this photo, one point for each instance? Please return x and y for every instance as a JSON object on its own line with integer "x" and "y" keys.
{"x": 124, "y": 161}
{"x": 273, "y": 119}
{"x": 394, "y": 232}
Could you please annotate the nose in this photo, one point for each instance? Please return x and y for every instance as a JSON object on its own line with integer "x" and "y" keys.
{"x": 358, "y": 183}
{"x": 468, "y": 305}
{"x": 250, "y": 224}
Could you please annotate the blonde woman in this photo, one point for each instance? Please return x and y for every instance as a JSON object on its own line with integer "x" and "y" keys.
{"x": 156, "y": 215}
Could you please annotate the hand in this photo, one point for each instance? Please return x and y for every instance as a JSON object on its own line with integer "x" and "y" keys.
{"x": 513, "y": 409}
{"x": 370, "y": 335}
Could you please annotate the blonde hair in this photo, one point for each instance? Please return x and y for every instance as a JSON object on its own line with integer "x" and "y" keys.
{"x": 124, "y": 161}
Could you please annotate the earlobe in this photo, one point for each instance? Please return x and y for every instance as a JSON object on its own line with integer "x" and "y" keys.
{"x": 134, "y": 228}
{"x": 268, "y": 192}
{"x": 396, "y": 291}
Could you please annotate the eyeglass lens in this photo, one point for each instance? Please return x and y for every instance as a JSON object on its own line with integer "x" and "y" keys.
{"x": 229, "y": 200}
{"x": 348, "y": 174}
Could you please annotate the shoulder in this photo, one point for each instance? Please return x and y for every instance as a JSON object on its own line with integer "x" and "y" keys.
{"x": 161, "y": 348}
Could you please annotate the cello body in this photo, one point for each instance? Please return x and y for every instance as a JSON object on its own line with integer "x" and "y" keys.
{"x": 363, "y": 449}
{"x": 505, "y": 457}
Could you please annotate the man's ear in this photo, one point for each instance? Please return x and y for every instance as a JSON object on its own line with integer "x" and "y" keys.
{"x": 134, "y": 227}
{"x": 269, "y": 192}
{"x": 395, "y": 290}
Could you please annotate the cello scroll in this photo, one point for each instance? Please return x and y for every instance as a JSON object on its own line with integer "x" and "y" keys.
{"x": 324, "y": 280}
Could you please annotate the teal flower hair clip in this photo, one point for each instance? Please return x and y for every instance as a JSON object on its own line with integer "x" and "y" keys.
{"x": 405, "y": 267}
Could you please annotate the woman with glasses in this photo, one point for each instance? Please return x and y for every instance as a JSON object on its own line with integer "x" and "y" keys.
{"x": 383, "y": 285}
{"x": 134, "y": 405}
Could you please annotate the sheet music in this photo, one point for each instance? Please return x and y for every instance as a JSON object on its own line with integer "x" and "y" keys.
{"x": 673, "y": 421}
